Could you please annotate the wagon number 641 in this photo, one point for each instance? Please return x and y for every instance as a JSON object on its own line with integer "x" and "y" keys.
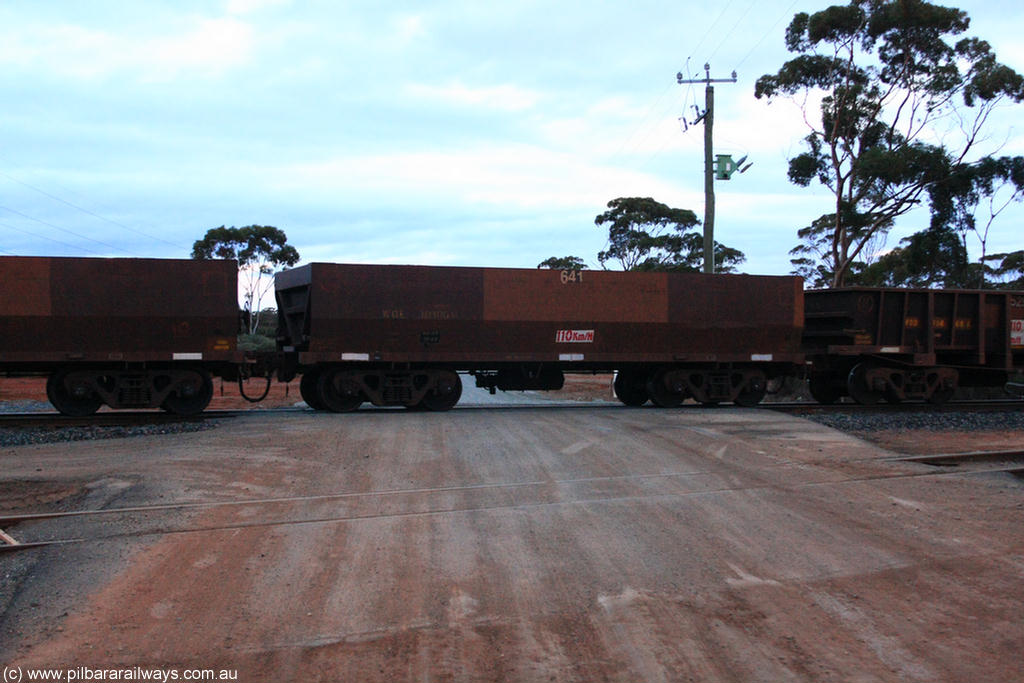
{"x": 571, "y": 276}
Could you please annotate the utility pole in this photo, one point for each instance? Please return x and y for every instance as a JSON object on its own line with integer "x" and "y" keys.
{"x": 709, "y": 165}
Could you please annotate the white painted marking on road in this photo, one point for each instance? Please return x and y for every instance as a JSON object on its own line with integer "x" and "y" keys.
{"x": 623, "y": 599}
{"x": 906, "y": 503}
{"x": 577, "y": 447}
{"x": 746, "y": 579}
{"x": 705, "y": 432}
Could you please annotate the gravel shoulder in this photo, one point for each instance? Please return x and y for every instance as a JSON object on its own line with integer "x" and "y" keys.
{"x": 928, "y": 432}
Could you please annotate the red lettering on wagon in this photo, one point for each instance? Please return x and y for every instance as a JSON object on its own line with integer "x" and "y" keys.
{"x": 574, "y": 337}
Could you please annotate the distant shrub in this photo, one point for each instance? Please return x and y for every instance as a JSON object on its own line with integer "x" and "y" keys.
{"x": 255, "y": 342}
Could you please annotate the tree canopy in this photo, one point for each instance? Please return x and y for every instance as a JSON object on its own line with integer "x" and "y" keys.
{"x": 261, "y": 245}
{"x": 937, "y": 258}
{"x": 644, "y": 234}
{"x": 930, "y": 258}
{"x": 563, "y": 263}
{"x": 1008, "y": 269}
{"x": 260, "y": 250}
{"x": 902, "y": 112}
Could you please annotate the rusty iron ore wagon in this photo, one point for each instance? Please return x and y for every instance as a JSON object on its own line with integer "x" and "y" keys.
{"x": 400, "y": 335}
{"x": 899, "y": 344}
{"x": 127, "y": 333}
{"x": 148, "y": 333}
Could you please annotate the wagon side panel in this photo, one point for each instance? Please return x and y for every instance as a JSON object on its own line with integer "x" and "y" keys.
{"x": 99, "y": 310}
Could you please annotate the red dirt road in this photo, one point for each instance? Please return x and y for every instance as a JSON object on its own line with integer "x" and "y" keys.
{"x": 520, "y": 544}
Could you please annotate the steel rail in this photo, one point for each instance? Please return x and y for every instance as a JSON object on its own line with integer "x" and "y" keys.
{"x": 1015, "y": 466}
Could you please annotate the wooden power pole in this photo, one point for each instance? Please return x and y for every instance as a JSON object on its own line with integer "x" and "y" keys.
{"x": 709, "y": 165}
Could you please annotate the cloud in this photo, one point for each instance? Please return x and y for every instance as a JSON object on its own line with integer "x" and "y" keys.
{"x": 201, "y": 47}
{"x": 212, "y": 46}
{"x": 517, "y": 176}
{"x": 614, "y": 128}
{"x": 504, "y": 97}
{"x": 249, "y": 6}
{"x": 408, "y": 27}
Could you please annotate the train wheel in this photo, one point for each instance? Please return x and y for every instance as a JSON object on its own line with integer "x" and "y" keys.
{"x": 823, "y": 390}
{"x": 192, "y": 396}
{"x": 945, "y": 382}
{"x": 338, "y": 393}
{"x": 857, "y": 386}
{"x": 753, "y": 392}
{"x": 663, "y": 392}
{"x": 631, "y": 388}
{"x": 940, "y": 396}
{"x": 891, "y": 396}
{"x": 445, "y": 393}
{"x": 308, "y": 389}
{"x": 69, "y": 402}
{"x": 894, "y": 388}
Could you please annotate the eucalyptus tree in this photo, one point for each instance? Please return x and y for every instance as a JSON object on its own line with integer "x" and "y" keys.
{"x": 644, "y": 234}
{"x": 261, "y": 250}
{"x": 903, "y": 101}
{"x": 563, "y": 263}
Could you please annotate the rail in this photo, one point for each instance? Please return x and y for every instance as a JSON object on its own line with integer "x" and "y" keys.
{"x": 940, "y": 465}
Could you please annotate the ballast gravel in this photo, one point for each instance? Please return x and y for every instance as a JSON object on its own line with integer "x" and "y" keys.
{"x": 958, "y": 421}
{"x": 27, "y": 436}
{"x": 856, "y": 422}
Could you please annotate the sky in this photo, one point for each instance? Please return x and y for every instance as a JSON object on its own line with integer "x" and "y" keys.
{"x": 439, "y": 133}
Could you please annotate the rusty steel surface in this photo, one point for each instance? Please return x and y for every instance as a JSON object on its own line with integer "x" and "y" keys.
{"x": 958, "y": 327}
{"x": 102, "y": 310}
{"x": 484, "y": 315}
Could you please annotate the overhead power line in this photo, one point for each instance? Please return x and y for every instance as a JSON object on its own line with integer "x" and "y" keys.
{"x": 728, "y": 35}
{"x": 787, "y": 12}
{"x": 48, "y": 239}
{"x": 70, "y": 232}
{"x": 710, "y": 29}
{"x": 644, "y": 128}
{"x": 88, "y": 212}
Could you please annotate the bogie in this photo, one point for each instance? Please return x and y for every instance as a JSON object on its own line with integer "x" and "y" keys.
{"x": 443, "y": 393}
{"x": 666, "y": 388}
{"x": 309, "y": 389}
{"x": 71, "y": 394}
{"x": 338, "y": 391}
{"x": 190, "y": 394}
{"x": 343, "y": 389}
{"x": 631, "y": 388}
{"x": 80, "y": 391}
{"x": 869, "y": 382}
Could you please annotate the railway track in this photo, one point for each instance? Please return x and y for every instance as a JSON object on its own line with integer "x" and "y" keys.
{"x": 980, "y": 461}
{"x": 112, "y": 419}
{"x": 938, "y": 465}
{"x": 795, "y": 408}
{"x": 116, "y": 418}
